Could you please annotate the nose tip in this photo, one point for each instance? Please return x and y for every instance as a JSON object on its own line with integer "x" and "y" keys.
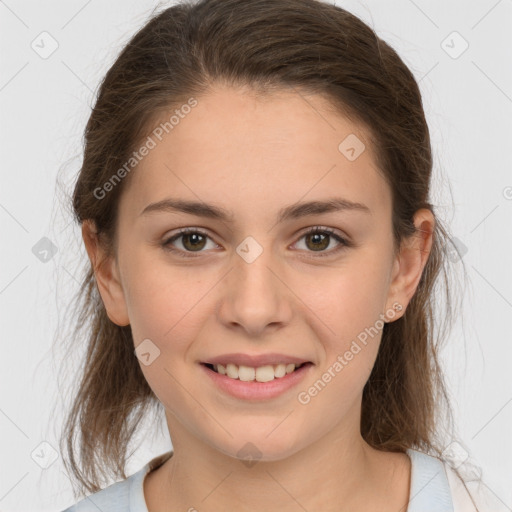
{"x": 254, "y": 295}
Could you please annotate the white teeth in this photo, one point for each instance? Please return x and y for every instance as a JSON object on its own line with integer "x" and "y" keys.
{"x": 290, "y": 367}
{"x": 232, "y": 371}
{"x": 265, "y": 373}
{"x": 280, "y": 370}
{"x": 246, "y": 373}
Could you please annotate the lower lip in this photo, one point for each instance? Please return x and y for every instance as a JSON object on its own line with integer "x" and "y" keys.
{"x": 254, "y": 390}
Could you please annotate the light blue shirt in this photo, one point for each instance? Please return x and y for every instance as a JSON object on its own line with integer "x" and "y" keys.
{"x": 429, "y": 490}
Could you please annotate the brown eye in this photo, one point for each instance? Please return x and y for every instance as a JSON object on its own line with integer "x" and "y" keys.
{"x": 319, "y": 239}
{"x": 192, "y": 241}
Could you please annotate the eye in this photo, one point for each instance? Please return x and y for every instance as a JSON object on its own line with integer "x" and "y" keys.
{"x": 319, "y": 238}
{"x": 193, "y": 240}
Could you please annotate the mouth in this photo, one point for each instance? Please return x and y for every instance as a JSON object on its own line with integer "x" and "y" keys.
{"x": 256, "y": 377}
{"x": 264, "y": 373}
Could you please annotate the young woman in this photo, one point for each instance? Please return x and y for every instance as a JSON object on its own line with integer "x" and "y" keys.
{"x": 254, "y": 201}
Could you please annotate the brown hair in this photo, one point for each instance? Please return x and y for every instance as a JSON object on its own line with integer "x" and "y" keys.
{"x": 268, "y": 45}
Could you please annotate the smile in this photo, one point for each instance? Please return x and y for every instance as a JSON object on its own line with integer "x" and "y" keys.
{"x": 264, "y": 373}
{"x": 256, "y": 383}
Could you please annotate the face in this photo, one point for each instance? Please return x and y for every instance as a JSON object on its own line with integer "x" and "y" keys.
{"x": 256, "y": 282}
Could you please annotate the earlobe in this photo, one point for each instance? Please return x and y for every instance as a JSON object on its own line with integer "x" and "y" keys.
{"x": 410, "y": 262}
{"x": 107, "y": 276}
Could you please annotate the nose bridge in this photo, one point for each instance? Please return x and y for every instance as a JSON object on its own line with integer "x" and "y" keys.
{"x": 255, "y": 296}
{"x": 252, "y": 273}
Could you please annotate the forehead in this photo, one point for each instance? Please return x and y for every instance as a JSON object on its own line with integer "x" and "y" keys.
{"x": 255, "y": 153}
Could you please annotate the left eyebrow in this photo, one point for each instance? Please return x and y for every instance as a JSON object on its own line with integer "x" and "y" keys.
{"x": 294, "y": 211}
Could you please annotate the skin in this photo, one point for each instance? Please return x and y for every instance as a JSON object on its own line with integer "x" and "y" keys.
{"x": 253, "y": 156}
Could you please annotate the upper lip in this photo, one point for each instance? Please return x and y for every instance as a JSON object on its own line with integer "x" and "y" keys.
{"x": 255, "y": 361}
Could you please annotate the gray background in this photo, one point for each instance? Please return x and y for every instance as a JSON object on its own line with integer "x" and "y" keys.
{"x": 44, "y": 105}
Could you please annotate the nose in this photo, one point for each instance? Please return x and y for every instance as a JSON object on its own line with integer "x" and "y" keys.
{"x": 255, "y": 297}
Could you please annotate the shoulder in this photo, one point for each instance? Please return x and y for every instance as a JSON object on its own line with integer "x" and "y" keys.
{"x": 124, "y": 496}
{"x": 470, "y": 494}
{"x": 436, "y": 485}
{"x": 115, "y": 498}
{"x": 429, "y": 489}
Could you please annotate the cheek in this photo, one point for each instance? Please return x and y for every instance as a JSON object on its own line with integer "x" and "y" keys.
{"x": 350, "y": 307}
{"x": 349, "y": 301}
{"x": 166, "y": 308}
{"x": 160, "y": 298}
{"x": 352, "y": 297}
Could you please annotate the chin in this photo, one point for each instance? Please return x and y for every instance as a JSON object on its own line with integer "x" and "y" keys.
{"x": 260, "y": 448}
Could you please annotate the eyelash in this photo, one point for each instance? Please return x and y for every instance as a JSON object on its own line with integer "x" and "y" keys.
{"x": 317, "y": 229}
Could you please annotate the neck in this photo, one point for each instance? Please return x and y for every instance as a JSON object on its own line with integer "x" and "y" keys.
{"x": 349, "y": 473}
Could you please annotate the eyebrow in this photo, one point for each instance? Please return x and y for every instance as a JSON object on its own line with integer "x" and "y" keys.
{"x": 294, "y": 211}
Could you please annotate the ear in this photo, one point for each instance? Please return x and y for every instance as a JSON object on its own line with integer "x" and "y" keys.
{"x": 106, "y": 273}
{"x": 410, "y": 262}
